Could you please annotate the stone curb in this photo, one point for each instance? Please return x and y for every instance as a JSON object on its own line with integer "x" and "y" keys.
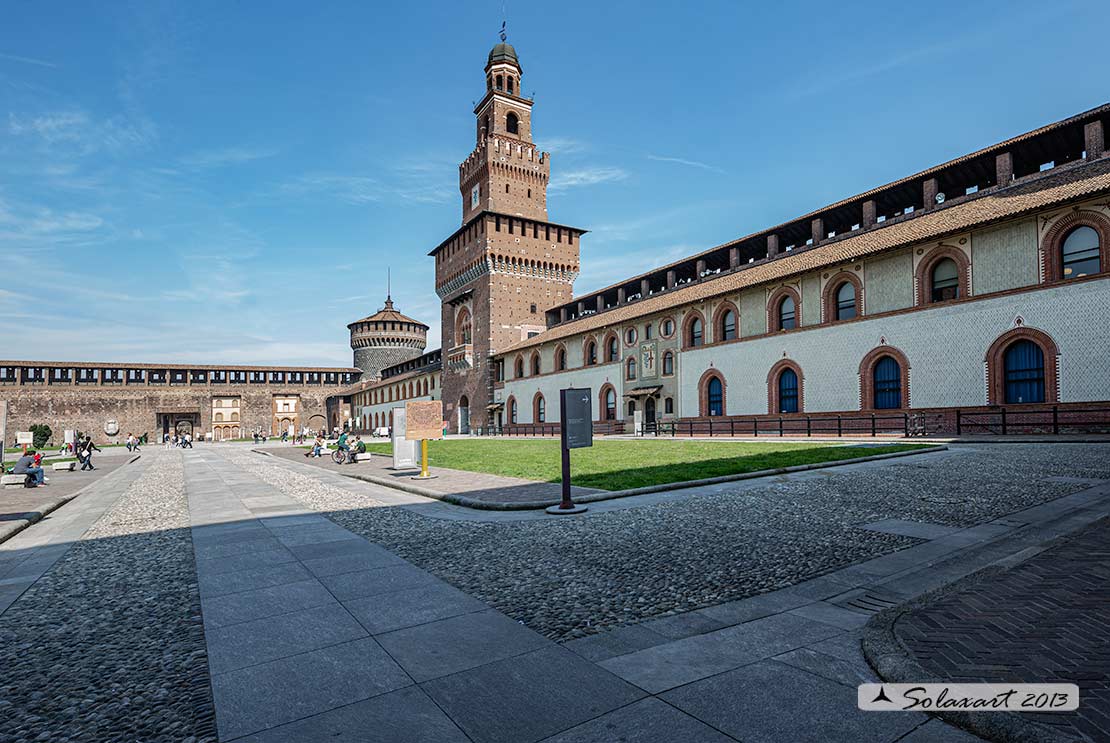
{"x": 894, "y": 663}
{"x": 467, "y": 502}
{"x": 9, "y": 529}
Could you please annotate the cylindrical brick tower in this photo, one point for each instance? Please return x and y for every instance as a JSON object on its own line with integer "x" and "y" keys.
{"x": 386, "y": 338}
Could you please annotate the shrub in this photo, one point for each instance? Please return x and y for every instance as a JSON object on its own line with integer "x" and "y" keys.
{"x": 42, "y": 434}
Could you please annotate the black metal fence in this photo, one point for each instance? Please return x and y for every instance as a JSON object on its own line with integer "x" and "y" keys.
{"x": 878, "y": 424}
{"x": 1054, "y": 420}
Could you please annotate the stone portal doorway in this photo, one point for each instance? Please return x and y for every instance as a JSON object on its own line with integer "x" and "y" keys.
{"x": 649, "y": 412}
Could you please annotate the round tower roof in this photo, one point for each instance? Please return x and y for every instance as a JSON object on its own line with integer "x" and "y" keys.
{"x": 503, "y": 52}
{"x": 388, "y": 314}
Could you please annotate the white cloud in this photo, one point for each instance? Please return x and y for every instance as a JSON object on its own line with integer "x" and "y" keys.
{"x": 586, "y": 177}
{"x": 28, "y": 60}
{"x": 77, "y": 129}
{"x": 563, "y": 145}
{"x": 223, "y": 157}
{"x": 684, "y": 161}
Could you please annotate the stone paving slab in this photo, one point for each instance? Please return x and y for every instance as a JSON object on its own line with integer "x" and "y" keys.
{"x": 648, "y": 721}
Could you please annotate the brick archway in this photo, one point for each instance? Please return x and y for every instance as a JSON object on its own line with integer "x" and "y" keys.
{"x": 923, "y": 276}
{"x": 828, "y": 296}
{"x": 1052, "y": 261}
{"x": 773, "y": 385}
{"x": 703, "y": 392}
{"x": 867, "y": 375}
{"x": 774, "y": 317}
{"x": 687, "y": 323}
{"x": 996, "y": 366}
{"x": 718, "y": 320}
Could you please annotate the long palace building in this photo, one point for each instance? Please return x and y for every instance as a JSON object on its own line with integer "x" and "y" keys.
{"x": 979, "y": 284}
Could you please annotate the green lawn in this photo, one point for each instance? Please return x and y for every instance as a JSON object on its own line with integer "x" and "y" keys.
{"x": 619, "y": 465}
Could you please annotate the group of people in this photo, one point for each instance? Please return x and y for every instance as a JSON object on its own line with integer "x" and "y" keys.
{"x": 353, "y": 449}
{"x": 133, "y": 442}
{"x": 30, "y": 464}
{"x": 177, "y": 441}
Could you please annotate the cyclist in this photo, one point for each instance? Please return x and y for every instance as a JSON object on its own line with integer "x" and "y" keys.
{"x": 342, "y": 445}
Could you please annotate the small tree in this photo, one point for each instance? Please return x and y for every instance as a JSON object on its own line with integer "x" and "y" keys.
{"x": 42, "y": 434}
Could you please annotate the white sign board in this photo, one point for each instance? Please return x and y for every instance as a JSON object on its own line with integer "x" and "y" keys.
{"x": 24, "y": 437}
{"x": 71, "y": 435}
{"x": 638, "y": 422}
{"x": 404, "y": 451}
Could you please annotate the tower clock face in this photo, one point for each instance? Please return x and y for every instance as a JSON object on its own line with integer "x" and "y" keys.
{"x": 474, "y": 193}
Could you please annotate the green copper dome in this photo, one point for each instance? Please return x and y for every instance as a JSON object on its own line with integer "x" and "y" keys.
{"x": 503, "y": 53}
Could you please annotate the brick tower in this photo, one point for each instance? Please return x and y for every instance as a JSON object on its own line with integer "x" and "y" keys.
{"x": 385, "y": 338}
{"x": 498, "y": 274}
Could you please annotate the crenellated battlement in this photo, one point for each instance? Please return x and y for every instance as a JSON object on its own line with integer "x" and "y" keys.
{"x": 504, "y": 150}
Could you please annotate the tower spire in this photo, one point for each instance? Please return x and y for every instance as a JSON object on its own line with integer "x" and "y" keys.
{"x": 388, "y": 289}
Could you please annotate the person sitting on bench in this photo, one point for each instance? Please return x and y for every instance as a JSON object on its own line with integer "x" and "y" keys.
{"x": 25, "y": 465}
{"x": 359, "y": 447}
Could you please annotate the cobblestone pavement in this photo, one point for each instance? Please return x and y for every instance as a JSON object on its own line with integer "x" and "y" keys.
{"x": 108, "y": 644}
{"x": 1045, "y": 620}
{"x": 572, "y": 577}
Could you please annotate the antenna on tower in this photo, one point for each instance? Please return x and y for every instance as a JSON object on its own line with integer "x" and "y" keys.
{"x": 388, "y": 284}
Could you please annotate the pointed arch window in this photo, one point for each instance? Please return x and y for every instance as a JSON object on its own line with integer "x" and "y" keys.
{"x": 668, "y": 363}
{"x": 561, "y": 359}
{"x": 591, "y": 353}
{"x": 612, "y": 349}
{"x": 535, "y": 364}
{"x": 512, "y": 410}
{"x": 518, "y": 368}
{"x": 610, "y": 404}
{"x": 697, "y": 333}
{"x": 715, "y": 397}
{"x": 541, "y": 409}
{"x": 630, "y": 368}
{"x": 512, "y": 122}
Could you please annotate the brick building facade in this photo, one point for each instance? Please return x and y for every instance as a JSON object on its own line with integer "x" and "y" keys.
{"x": 108, "y": 401}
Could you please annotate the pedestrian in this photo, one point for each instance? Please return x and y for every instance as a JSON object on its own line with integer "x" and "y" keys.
{"x": 130, "y": 441}
{"x": 26, "y": 466}
{"x": 85, "y": 452}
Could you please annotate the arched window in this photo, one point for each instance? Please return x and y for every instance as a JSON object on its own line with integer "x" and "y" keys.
{"x": 668, "y": 406}
{"x": 630, "y": 368}
{"x": 509, "y": 84}
{"x": 610, "y": 413}
{"x": 788, "y": 391}
{"x": 1079, "y": 254}
{"x": 591, "y": 353}
{"x": 846, "y": 301}
{"x": 887, "y": 380}
{"x": 612, "y": 349}
{"x": 499, "y": 82}
{"x": 945, "y": 281}
{"x": 512, "y": 123}
{"x": 535, "y": 364}
{"x": 728, "y": 326}
{"x": 631, "y": 408}
{"x": 518, "y": 368}
{"x": 561, "y": 359}
{"x": 786, "y": 313}
{"x": 715, "y": 397}
{"x": 668, "y": 363}
{"x": 540, "y": 411}
{"x": 1023, "y": 364}
{"x": 696, "y": 335}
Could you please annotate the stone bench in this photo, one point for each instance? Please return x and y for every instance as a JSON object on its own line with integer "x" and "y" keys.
{"x": 12, "y": 481}
{"x": 64, "y": 466}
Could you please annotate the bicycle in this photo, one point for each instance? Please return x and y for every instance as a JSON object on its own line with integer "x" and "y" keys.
{"x": 339, "y": 456}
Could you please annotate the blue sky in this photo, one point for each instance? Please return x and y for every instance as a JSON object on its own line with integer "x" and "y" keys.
{"x": 218, "y": 182}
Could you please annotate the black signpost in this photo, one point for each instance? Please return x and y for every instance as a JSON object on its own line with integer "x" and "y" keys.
{"x": 576, "y": 432}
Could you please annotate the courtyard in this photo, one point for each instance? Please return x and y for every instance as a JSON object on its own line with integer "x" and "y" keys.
{"x": 223, "y": 594}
